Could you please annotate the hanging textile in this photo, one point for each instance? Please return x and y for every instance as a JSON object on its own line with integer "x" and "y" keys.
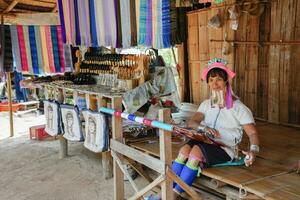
{"x": 93, "y": 29}
{"x": 15, "y": 48}
{"x": 68, "y": 63}
{"x": 133, "y": 23}
{"x": 110, "y": 24}
{"x": 61, "y": 18}
{"x": 166, "y": 23}
{"x": 84, "y": 19}
{"x": 71, "y": 123}
{"x": 143, "y": 22}
{"x": 44, "y": 50}
{"x": 6, "y": 56}
{"x": 96, "y": 131}
{"x": 118, "y": 23}
{"x": 77, "y": 26}
{"x": 100, "y": 22}
{"x": 24, "y": 63}
{"x": 125, "y": 22}
{"x": 115, "y": 23}
{"x": 55, "y": 48}
{"x": 33, "y": 50}
{"x": 27, "y": 48}
{"x": 49, "y": 49}
{"x": 38, "y": 49}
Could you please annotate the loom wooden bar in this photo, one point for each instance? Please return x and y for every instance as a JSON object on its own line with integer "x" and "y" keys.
{"x": 117, "y": 135}
{"x": 138, "y": 156}
{"x": 9, "y": 91}
{"x": 165, "y": 147}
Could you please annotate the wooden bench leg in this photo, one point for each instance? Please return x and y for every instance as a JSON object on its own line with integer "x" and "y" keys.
{"x": 107, "y": 165}
{"x": 63, "y": 151}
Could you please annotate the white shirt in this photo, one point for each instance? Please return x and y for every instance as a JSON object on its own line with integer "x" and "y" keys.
{"x": 228, "y": 122}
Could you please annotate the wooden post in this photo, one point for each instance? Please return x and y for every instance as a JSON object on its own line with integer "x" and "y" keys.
{"x": 11, "y": 119}
{"x": 117, "y": 135}
{"x": 165, "y": 146}
{"x": 63, "y": 150}
{"x": 63, "y": 143}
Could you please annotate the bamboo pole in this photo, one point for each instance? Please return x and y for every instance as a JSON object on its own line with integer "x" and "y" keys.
{"x": 11, "y": 123}
{"x": 9, "y": 89}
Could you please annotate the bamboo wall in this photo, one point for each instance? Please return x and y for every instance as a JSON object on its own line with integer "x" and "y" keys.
{"x": 267, "y": 78}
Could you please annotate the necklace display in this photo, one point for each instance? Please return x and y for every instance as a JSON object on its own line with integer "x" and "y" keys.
{"x": 126, "y": 67}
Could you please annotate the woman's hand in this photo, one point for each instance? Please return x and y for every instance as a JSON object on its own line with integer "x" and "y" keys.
{"x": 250, "y": 157}
{"x": 212, "y": 132}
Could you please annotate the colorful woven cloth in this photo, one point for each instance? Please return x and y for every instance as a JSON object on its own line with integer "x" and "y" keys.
{"x": 15, "y": 48}
{"x": 166, "y": 23}
{"x": 6, "y": 57}
{"x": 125, "y": 23}
{"x": 33, "y": 50}
{"x": 143, "y": 22}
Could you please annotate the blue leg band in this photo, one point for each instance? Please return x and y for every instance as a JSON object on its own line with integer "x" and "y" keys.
{"x": 177, "y": 168}
{"x": 188, "y": 175}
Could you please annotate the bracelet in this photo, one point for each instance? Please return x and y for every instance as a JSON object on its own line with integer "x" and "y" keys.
{"x": 254, "y": 148}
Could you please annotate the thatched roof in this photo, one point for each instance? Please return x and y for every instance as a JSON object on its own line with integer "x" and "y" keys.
{"x": 28, "y": 12}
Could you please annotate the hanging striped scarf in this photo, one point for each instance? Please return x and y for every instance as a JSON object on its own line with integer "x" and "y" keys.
{"x": 50, "y": 49}
{"x": 33, "y": 50}
{"x": 66, "y": 17}
{"x": 118, "y": 23}
{"x": 27, "y": 48}
{"x": 68, "y": 58}
{"x": 6, "y": 59}
{"x": 93, "y": 27}
{"x": 143, "y": 22}
{"x": 148, "y": 39}
{"x": 55, "y": 48}
{"x": 154, "y": 13}
{"x": 44, "y": 49}
{"x": 15, "y": 48}
{"x": 39, "y": 49}
{"x": 138, "y": 16}
{"x": 110, "y": 23}
{"x": 86, "y": 19}
{"x": 77, "y": 26}
{"x": 62, "y": 20}
{"x": 72, "y": 21}
{"x": 159, "y": 34}
{"x": 133, "y": 22}
{"x": 60, "y": 49}
{"x": 125, "y": 23}
{"x": 166, "y": 23}
{"x": 100, "y": 22}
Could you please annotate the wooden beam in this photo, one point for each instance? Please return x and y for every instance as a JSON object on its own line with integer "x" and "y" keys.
{"x": 54, "y": 9}
{"x": 139, "y": 156}
{"x": 182, "y": 184}
{"x": 117, "y": 135}
{"x": 3, "y": 4}
{"x": 33, "y": 19}
{"x": 38, "y": 3}
{"x": 11, "y": 6}
{"x": 157, "y": 181}
{"x": 165, "y": 148}
{"x": 9, "y": 91}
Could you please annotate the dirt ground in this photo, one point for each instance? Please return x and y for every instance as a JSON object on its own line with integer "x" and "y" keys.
{"x": 31, "y": 169}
